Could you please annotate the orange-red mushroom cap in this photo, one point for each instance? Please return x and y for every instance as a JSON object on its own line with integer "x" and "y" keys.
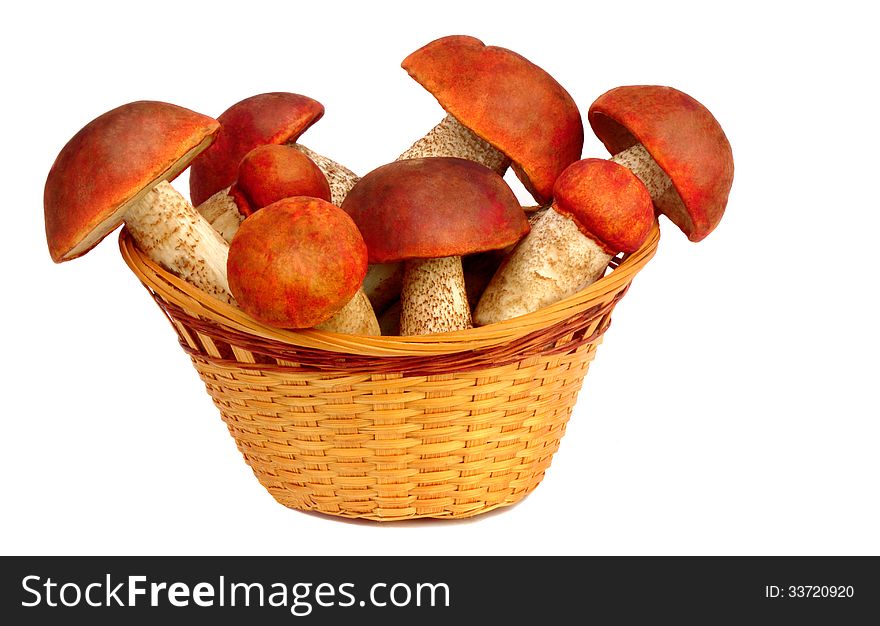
{"x": 684, "y": 139}
{"x": 432, "y": 208}
{"x": 506, "y": 100}
{"x": 273, "y": 172}
{"x": 109, "y": 163}
{"x": 609, "y": 204}
{"x": 276, "y": 117}
{"x": 296, "y": 262}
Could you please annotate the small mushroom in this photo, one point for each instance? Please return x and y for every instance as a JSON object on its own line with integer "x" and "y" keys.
{"x": 299, "y": 263}
{"x": 116, "y": 170}
{"x": 269, "y": 118}
{"x": 266, "y": 174}
{"x": 599, "y": 209}
{"x": 675, "y": 146}
{"x": 428, "y": 213}
{"x": 502, "y": 109}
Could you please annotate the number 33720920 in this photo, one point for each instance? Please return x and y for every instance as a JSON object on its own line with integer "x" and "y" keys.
{"x": 810, "y": 591}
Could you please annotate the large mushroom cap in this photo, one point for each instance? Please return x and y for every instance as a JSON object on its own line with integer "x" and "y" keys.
{"x": 609, "y": 204}
{"x": 107, "y": 166}
{"x": 432, "y": 208}
{"x": 296, "y": 262}
{"x": 272, "y": 172}
{"x": 276, "y": 117}
{"x": 506, "y": 100}
{"x": 685, "y": 140}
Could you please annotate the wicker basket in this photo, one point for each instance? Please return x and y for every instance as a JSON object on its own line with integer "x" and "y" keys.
{"x": 390, "y": 428}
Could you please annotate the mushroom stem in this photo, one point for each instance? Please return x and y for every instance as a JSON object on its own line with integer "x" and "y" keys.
{"x": 341, "y": 178}
{"x": 355, "y": 318}
{"x": 452, "y": 139}
{"x": 222, "y": 213}
{"x": 433, "y": 297}
{"x": 554, "y": 261}
{"x": 171, "y": 232}
{"x": 637, "y": 159}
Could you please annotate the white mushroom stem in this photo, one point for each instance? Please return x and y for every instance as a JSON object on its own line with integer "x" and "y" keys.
{"x": 451, "y": 138}
{"x": 222, "y": 213}
{"x": 355, "y": 318}
{"x": 554, "y": 261}
{"x": 171, "y": 232}
{"x": 639, "y": 161}
{"x": 340, "y": 178}
{"x": 433, "y": 297}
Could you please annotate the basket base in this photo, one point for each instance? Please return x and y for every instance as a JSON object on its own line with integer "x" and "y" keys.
{"x": 389, "y": 447}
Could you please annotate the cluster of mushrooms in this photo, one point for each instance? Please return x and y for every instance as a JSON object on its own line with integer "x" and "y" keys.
{"x": 435, "y": 241}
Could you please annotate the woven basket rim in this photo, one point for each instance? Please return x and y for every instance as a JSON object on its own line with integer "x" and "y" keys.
{"x": 169, "y": 288}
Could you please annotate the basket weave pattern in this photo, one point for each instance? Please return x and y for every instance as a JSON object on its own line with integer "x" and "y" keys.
{"x": 389, "y": 428}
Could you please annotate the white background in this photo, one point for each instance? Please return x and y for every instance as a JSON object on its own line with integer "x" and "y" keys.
{"x": 732, "y": 408}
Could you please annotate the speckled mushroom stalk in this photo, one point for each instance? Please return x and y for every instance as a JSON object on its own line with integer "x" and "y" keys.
{"x": 675, "y": 146}
{"x": 116, "y": 170}
{"x": 600, "y": 209}
{"x": 356, "y": 317}
{"x": 451, "y": 138}
{"x": 340, "y": 178}
{"x": 170, "y": 231}
{"x": 433, "y": 297}
{"x": 427, "y": 213}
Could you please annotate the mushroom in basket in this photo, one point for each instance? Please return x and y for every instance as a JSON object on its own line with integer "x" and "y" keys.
{"x": 116, "y": 170}
{"x": 599, "y": 209}
{"x": 266, "y": 174}
{"x": 428, "y": 213}
{"x": 269, "y": 118}
{"x": 675, "y": 146}
{"x": 270, "y": 173}
{"x": 297, "y": 262}
{"x": 501, "y": 110}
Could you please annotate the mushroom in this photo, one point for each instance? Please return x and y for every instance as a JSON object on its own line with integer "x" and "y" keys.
{"x": 297, "y": 262}
{"x": 276, "y": 118}
{"x": 675, "y": 146}
{"x": 266, "y": 174}
{"x": 600, "y": 208}
{"x": 116, "y": 170}
{"x": 428, "y": 212}
{"x": 502, "y": 109}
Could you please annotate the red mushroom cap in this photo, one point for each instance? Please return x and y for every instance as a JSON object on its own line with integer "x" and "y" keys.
{"x": 109, "y": 163}
{"x": 432, "y": 208}
{"x": 296, "y": 262}
{"x": 609, "y": 204}
{"x": 506, "y": 100}
{"x": 266, "y": 118}
{"x": 272, "y": 172}
{"x": 685, "y": 140}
